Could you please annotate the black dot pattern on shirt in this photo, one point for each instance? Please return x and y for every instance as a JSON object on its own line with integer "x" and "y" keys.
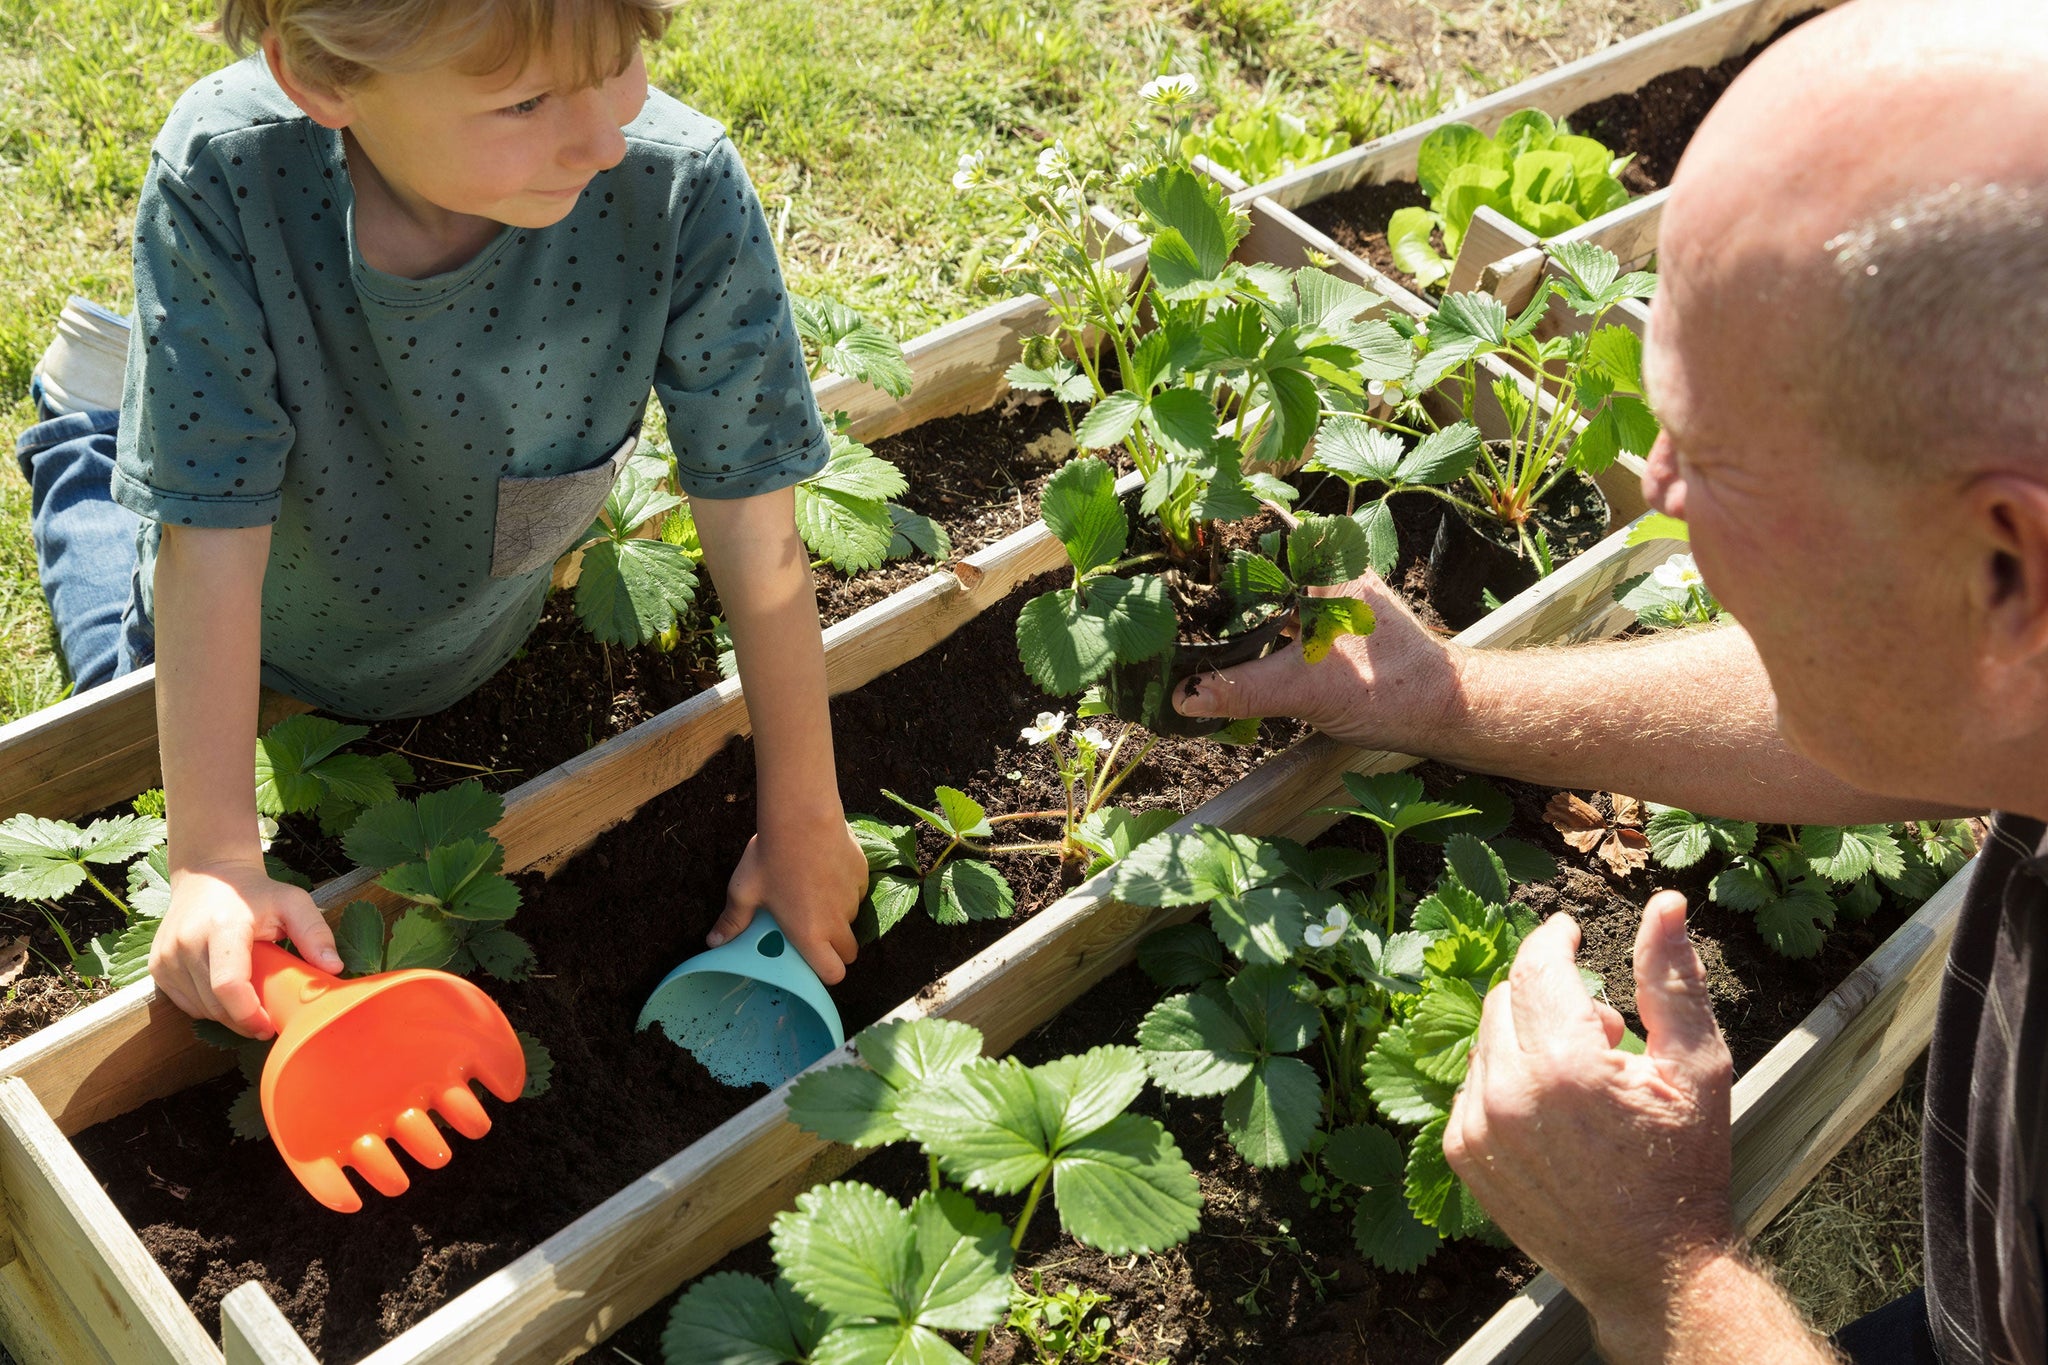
{"x": 369, "y": 418}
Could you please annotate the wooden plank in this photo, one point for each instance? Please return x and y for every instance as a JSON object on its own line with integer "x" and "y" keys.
{"x": 1792, "y": 1112}
{"x": 624, "y": 1256}
{"x": 39, "y": 1326}
{"x": 254, "y": 1332}
{"x": 91, "y": 1265}
{"x": 92, "y": 750}
{"x": 1490, "y": 236}
{"x": 1711, "y": 35}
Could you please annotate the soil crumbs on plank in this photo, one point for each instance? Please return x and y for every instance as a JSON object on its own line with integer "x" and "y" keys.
{"x": 1271, "y": 1274}
{"x": 606, "y": 929}
{"x": 1652, "y": 123}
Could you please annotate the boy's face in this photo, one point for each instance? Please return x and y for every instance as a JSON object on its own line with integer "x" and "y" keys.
{"x": 514, "y": 146}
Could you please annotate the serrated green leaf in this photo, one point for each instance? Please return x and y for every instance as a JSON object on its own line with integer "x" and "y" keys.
{"x": 906, "y": 1052}
{"x": 963, "y": 816}
{"x": 1193, "y": 209}
{"x": 1136, "y": 614}
{"x": 405, "y": 831}
{"x": 286, "y": 756}
{"x": 847, "y": 1104}
{"x": 1844, "y": 854}
{"x": 1182, "y": 955}
{"x": 1656, "y": 526}
{"x": 1444, "y": 456}
{"x": 1326, "y": 551}
{"x": 1796, "y": 923}
{"x": 1478, "y": 868}
{"x": 912, "y": 532}
{"x": 1124, "y": 1188}
{"x": 1081, "y": 509}
{"x": 941, "y": 1265}
{"x": 1369, "y": 1158}
{"x": 630, "y": 591}
{"x": 458, "y": 878}
{"x": 1064, "y": 647}
{"x": 1401, "y": 1090}
{"x": 500, "y": 953}
{"x": 1268, "y": 924}
{"x": 359, "y": 938}
{"x": 1357, "y": 451}
{"x": 1383, "y": 543}
{"x": 420, "y": 938}
{"x": 884, "y": 845}
{"x": 1108, "y": 423}
{"x": 735, "y": 1319}
{"x": 1196, "y": 1045}
{"x": 1273, "y": 1114}
{"x": 966, "y": 890}
{"x": 850, "y": 532}
{"x": 892, "y": 896}
{"x": 1747, "y": 884}
{"x": 245, "y": 1116}
{"x": 1443, "y": 1027}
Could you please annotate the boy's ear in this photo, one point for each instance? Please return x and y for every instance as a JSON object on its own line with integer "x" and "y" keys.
{"x": 328, "y": 108}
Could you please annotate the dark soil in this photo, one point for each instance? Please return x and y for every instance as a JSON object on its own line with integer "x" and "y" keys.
{"x": 1653, "y": 123}
{"x": 1270, "y": 1275}
{"x": 606, "y": 928}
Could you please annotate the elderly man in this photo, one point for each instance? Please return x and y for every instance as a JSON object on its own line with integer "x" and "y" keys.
{"x": 1850, "y": 355}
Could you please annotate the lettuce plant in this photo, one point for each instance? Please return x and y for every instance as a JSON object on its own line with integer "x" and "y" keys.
{"x": 1798, "y": 880}
{"x": 1265, "y": 140}
{"x": 863, "y": 1278}
{"x": 1534, "y": 171}
{"x": 1596, "y": 410}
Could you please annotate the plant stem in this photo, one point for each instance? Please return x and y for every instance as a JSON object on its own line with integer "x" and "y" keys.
{"x": 1392, "y": 884}
{"x": 934, "y": 1169}
{"x": 1129, "y": 768}
{"x": 119, "y": 904}
{"x": 70, "y": 950}
{"x": 1016, "y": 1241}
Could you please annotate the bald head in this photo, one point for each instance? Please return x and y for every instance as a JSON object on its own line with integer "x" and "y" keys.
{"x": 1866, "y": 210}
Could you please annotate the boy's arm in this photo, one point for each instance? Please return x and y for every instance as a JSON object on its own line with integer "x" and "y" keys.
{"x": 209, "y": 594}
{"x": 803, "y": 865}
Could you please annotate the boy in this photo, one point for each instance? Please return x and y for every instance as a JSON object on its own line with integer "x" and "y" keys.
{"x": 403, "y": 283}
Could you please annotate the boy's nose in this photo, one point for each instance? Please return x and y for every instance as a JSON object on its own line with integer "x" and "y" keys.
{"x": 597, "y": 142}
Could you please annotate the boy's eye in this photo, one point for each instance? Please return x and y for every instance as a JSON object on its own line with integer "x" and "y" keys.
{"x": 525, "y": 106}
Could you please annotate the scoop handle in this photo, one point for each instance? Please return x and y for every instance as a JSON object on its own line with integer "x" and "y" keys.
{"x": 285, "y": 983}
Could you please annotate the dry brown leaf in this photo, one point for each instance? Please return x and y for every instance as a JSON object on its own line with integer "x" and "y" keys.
{"x": 1625, "y": 850}
{"x": 1587, "y": 830}
{"x": 13, "y": 958}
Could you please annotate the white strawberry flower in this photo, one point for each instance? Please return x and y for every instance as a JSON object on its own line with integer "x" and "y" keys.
{"x": 1678, "y": 573}
{"x": 1330, "y": 930}
{"x": 1048, "y": 724}
{"x": 1094, "y": 738}
{"x": 1052, "y": 162}
{"x": 1021, "y": 252}
{"x": 1170, "y": 92}
{"x": 971, "y": 172}
{"x": 266, "y": 832}
{"x": 1388, "y": 391}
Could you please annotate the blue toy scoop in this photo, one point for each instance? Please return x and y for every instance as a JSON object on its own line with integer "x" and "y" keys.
{"x": 752, "y": 1010}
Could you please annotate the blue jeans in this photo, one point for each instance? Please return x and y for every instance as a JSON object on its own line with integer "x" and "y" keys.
{"x": 85, "y": 544}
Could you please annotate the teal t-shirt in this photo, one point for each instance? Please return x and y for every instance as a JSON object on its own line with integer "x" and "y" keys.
{"x": 424, "y": 449}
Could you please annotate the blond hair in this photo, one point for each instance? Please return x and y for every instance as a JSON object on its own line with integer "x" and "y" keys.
{"x": 338, "y": 43}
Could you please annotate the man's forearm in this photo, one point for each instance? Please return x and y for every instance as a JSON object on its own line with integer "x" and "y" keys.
{"x": 1722, "y": 1310}
{"x": 209, "y": 655}
{"x": 1681, "y": 719}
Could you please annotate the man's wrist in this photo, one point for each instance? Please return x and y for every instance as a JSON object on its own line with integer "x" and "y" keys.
{"x": 1711, "y": 1304}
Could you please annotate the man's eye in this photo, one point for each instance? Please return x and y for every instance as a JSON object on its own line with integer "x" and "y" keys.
{"x": 525, "y": 106}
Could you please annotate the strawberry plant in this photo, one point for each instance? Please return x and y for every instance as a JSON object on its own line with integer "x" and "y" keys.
{"x": 1598, "y": 413}
{"x": 1798, "y": 880}
{"x": 861, "y": 1277}
{"x": 1290, "y": 955}
{"x": 1672, "y": 595}
{"x": 1534, "y": 172}
{"x": 300, "y": 767}
{"x": 1092, "y": 834}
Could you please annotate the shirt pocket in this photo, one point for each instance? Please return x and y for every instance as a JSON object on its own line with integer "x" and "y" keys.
{"x": 542, "y": 519}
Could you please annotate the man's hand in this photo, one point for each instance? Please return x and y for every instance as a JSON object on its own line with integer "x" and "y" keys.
{"x": 1392, "y": 689}
{"x": 813, "y": 885}
{"x": 200, "y": 958}
{"x": 1611, "y": 1170}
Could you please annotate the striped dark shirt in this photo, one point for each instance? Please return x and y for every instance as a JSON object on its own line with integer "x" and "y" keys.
{"x": 1985, "y": 1141}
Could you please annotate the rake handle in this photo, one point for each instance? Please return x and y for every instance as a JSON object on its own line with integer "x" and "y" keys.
{"x": 284, "y": 982}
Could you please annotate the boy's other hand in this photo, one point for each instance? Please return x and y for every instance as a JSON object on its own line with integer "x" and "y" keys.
{"x": 812, "y": 883}
{"x": 201, "y": 955}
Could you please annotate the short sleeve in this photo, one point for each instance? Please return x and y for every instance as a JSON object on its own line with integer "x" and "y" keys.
{"x": 203, "y": 438}
{"x": 741, "y": 415}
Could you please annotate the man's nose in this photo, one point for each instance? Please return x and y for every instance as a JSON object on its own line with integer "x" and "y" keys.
{"x": 1663, "y": 487}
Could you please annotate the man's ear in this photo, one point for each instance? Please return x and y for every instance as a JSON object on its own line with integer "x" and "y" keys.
{"x": 2009, "y": 514}
{"x": 328, "y": 108}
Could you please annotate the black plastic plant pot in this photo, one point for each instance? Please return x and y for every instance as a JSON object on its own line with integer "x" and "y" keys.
{"x": 1470, "y": 558}
{"x": 1142, "y": 693}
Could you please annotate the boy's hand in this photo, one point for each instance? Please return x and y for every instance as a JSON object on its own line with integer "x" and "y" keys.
{"x": 812, "y": 884}
{"x": 201, "y": 955}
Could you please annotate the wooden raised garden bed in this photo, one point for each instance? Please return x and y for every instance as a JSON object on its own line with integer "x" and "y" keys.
{"x": 1644, "y": 95}
{"x": 78, "y": 1284}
